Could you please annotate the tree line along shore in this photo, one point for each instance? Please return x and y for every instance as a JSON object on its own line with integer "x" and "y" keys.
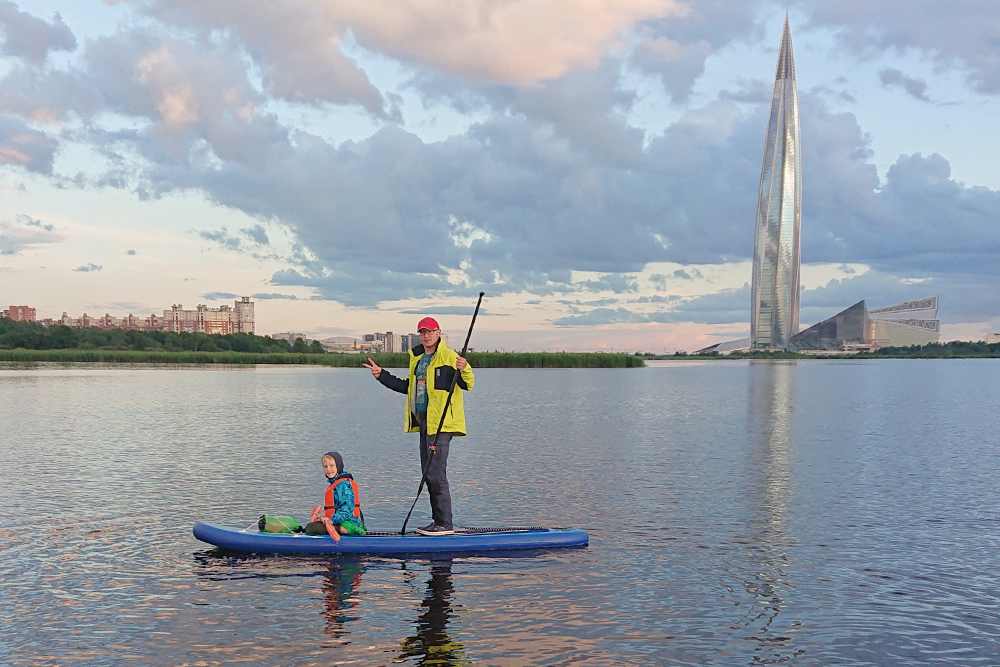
{"x": 31, "y": 342}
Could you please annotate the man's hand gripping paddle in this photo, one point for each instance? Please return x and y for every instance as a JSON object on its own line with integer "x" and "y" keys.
{"x": 451, "y": 390}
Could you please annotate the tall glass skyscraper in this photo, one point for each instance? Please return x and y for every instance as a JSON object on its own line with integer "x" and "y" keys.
{"x": 774, "y": 312}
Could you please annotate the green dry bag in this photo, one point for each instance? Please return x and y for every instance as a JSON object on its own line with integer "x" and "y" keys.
{"x": 278, "y": 524}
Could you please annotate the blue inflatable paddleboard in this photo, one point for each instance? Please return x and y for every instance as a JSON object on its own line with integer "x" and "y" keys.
{"x": 251, "y": 540}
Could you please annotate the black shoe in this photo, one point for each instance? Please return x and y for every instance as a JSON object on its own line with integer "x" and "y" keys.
{"x": 434, "y": 529}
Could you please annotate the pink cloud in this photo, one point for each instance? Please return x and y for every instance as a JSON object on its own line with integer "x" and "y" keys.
{"x": 507, "y": 41}
{"x": 511, "y": 41}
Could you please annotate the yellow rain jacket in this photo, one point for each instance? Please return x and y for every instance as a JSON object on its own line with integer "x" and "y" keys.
{"x": 439, "y": 376}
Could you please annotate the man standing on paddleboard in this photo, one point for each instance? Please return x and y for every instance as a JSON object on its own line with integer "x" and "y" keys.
{"x": 432, "y": 369}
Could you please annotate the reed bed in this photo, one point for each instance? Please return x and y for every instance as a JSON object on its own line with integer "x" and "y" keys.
{"x": 393, "y": 360}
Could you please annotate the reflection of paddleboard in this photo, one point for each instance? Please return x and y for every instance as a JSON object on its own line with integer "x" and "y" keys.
{"x": 250, "y": 540}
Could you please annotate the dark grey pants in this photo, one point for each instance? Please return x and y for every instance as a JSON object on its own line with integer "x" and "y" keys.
{"x": 437, "y": 475}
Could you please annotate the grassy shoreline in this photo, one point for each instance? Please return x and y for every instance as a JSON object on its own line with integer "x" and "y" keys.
{"x": 398, "y": 360}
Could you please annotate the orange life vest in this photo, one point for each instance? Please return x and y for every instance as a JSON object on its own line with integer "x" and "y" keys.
{"x": 330, "y": 507}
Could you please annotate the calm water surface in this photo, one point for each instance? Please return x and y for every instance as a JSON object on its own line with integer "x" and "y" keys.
{"x": 810, "y": 513}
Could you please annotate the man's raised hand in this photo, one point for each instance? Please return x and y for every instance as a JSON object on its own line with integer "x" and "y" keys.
{"x": 373, "y": 367}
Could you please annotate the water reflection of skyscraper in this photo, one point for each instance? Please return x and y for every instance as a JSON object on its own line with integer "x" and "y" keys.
{"x": 340, "y": 587}
{"x": 771, "y": 420}
{"x": 431, "y": 644}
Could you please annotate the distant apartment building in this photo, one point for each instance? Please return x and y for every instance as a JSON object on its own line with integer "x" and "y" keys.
{"x": 223, "y": 320}
{"x": 348, "y": 345}
{"x": 993, "y": 338}
{"x": 386, "y": 342}
{"x": 19, "y": 314}
{"x": 151, "y": 323}
{"x": 393, "y": 342}
{"x": 291, "y": 336}
{"x": 374, "y": 342}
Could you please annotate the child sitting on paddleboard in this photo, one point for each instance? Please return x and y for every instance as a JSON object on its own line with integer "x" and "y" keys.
{"x": 340, "y": 513}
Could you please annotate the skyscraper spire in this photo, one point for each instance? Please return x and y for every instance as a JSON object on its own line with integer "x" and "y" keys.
{"x": 786, "y": 61}
{"x": 774, "y": 310}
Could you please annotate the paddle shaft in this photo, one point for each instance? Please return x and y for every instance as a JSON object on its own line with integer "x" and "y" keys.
{"x": 451, "y": 390}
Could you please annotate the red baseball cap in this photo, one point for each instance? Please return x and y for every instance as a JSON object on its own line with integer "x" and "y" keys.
{"x": 428, "y": 323}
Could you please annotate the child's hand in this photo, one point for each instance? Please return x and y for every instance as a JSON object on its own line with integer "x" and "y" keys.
{"x": 373, "y": 367}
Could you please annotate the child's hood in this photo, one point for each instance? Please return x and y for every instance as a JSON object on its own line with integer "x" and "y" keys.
{"x": 340, "y": 464}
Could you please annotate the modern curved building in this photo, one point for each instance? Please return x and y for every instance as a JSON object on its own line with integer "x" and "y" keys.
{"x": 907, "y": 323}
{"x": 898, "y": 325}
{"x": 774, "y": 310}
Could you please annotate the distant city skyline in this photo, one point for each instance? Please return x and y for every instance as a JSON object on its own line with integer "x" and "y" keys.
{"x": 238, "y": 318}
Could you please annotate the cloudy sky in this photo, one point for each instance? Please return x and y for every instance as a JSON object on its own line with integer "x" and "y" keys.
{"x": 591, "y": 164}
